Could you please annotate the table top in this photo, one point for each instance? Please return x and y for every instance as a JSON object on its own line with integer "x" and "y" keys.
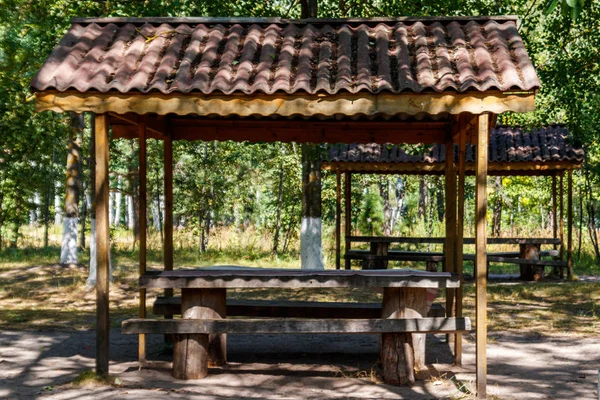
{"x": 441, "y": 240}
{"x": 250, "y": 277}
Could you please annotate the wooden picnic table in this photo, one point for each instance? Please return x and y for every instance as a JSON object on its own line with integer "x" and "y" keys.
{"x": 528, "y": 257}
{"x": 200, "y": 334}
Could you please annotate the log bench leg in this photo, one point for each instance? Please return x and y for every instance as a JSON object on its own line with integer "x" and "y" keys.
{"x": 401, "y": 353}
{"x": 531, "y": 272}
{"x": 192, "y": 354}
{"x": 378, "y": 249}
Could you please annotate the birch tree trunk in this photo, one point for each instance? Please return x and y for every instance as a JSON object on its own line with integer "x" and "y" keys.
{"x": 68, "y": 254}
{"x": 311, "y": 253}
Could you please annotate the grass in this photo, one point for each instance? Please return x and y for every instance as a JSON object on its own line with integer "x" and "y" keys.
{"x": 35, "y": 292}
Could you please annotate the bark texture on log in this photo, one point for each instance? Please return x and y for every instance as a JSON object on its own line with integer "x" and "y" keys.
{"x": 401, "y": 353}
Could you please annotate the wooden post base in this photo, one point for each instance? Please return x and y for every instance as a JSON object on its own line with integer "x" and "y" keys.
{"x": 190, "y": 356}
{"x": 401, "y": 353}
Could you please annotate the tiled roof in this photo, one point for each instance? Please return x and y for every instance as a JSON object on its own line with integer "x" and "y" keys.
{"x": 269, "y": 56}
{"x": 549, "y": 144}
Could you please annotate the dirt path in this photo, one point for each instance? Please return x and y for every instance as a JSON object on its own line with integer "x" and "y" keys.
{"x": 41, "y": 364}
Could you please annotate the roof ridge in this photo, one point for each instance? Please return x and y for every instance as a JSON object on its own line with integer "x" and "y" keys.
{"x": 279, "y": 20}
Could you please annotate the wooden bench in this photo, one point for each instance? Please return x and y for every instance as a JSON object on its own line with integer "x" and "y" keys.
{"x": 396, "y": 332}
{"x": 203, "y": 300}
{"x": 289, "y": 309}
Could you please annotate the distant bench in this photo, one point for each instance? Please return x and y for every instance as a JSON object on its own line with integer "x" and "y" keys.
{"x": 528, "y": 257}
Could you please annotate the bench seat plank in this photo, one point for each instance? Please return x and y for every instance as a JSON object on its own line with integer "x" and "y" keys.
{"x": 441, "y": 240}
{"x": 524, "y": 261}
{"x": 294, "y": 326}
{"x": 289, "y": 308}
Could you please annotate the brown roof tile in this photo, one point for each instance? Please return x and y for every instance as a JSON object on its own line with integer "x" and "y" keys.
{"x": 507, "y": 144}
{"x": 262, "y": 56}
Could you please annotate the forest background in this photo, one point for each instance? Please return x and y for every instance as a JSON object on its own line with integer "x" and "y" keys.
{"x": 242, "y": 201}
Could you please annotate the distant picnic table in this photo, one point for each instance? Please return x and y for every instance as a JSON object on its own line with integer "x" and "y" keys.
{"x": 529, "y": 256}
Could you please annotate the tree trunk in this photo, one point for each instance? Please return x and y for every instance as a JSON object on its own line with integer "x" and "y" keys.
{"x": 309, "y": 8}
{"x": 279, "y": 207}
{"x": 118, "y": 201}
{"x": 57, "y": 205}
{"x": 497, "y": 217}
{"x": 384, "y": 192}
{"x": 47, "y": 200}
{"x": 134, "y": 179}
{"x": 310, "y": 239}
{"x": 69, "y": 241}
{"x": 422, "y": 211}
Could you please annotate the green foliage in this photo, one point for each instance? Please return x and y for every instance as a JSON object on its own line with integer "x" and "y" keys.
{"x": 371, "y": 219}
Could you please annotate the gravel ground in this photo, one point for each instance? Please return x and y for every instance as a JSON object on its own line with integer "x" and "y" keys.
{"x": 42, "y": 365}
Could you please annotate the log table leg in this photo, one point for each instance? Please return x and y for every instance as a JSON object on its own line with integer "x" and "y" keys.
{"x": 378, "y": 249}
{"x": 531, "y": 272}
{"x": 192, "y": 354}
{"x": 401, "y": 353}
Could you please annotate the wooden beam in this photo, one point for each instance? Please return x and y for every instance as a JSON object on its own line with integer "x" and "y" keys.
{"x": 480, "y": 257}
{"x": 570, "y": 225}
{"x": 102, "y": 246}
{"x": 168, "y": 222}
{"x": 295, "y": 326}
{"x": 424, "y": 168}
{"x": 143, "y": 232}
{"x": 561, "y": 221}
{"x": 554, "y": 210}
{"x": 338, "y": 216}
{"x": 348, "y": 215}
{"x": 286, "y": 105}
{"x": 156, "y": 126}
{"x": 450, "y": 242}
{"x": 460, "y": 221}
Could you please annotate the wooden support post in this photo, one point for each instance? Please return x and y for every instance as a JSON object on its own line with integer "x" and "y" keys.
{"x": 481, "y": 167}
{"x": 168, "y": 223}
{"x": 143, "y": 230}
{"x": 401, "y": 353}
{"x": 569, "y": 225}
{"x": 554, "y": 211}
{"x": 102, "y": 246}
{"x": 460, "y": 222}
{"x": 348, "y": 214}
{"x": 561, "y": 221}
{"x": 450, "y": 242}
{"x": 338, "y": 216}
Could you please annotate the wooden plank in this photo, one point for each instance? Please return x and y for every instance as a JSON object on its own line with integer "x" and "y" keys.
{"x": 389, "y": 239}
{"x": 348, "y": 214}
{"x": 569, "y": 225}
{"x": 290, "y": 309}
{"x": 287, "y": 105}
{"x": 519, "y": 261}
{"x": 508, "y": 168}
{"x": 400, "y": 253}
{"x": 295, "y": 278}
{"x": 102, "y": 246}
{"x": 338, "y": 222}
{"x": 295, "y": 326}
{"x": 143, "y": 209}
{"x": 354, "y": 255}
{"x": 460, "y": 220}
{"x": 481, "y": 257}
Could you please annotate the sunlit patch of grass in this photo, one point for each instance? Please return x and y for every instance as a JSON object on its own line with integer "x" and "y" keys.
{"x": 90, "y": 379}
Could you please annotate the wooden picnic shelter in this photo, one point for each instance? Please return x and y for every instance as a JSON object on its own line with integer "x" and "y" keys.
{"x": 548, "y": 151}
{"x": 400, "y": 80}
